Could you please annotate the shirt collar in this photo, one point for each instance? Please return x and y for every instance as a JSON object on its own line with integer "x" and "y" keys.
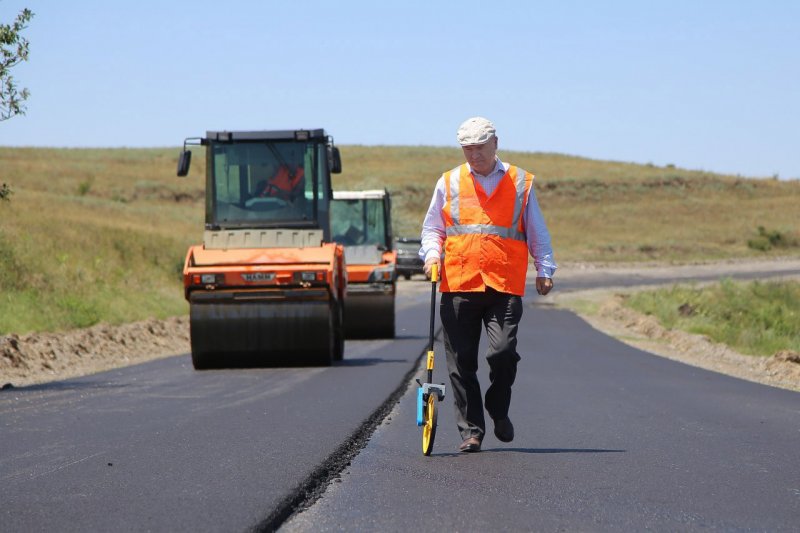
{"x": 498, "y": 166}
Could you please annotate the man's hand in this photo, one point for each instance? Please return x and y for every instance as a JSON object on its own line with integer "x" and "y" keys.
{"x": 429, "y": 263}
{"x": 543, "y": 285}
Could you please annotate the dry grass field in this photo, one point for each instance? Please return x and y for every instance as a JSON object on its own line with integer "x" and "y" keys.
{"x": 601, "y": 211}
{"x": 91, "y": 235}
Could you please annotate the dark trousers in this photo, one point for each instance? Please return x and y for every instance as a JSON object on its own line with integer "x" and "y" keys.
{"x": 463, "y": 315}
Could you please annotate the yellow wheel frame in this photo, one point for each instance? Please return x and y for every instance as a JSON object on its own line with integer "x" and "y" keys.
{"x": 429, "y": 426}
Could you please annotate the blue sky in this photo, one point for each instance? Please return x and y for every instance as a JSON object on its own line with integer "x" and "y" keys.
{"x": 712, "y": 85}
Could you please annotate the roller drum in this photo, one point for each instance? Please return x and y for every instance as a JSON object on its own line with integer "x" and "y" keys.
{"x": 369, "y": 314}
{"x": 261, "y": 333}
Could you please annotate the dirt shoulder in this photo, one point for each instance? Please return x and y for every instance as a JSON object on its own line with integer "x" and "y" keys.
{"x": 42, "y": 357}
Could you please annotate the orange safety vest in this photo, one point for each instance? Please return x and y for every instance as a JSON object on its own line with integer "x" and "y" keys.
{"x": 485, "y": 244}
{"x": 283, "y": 184}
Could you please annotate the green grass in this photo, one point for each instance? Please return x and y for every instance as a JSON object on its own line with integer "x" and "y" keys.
{"x": 84, "y": 267}
{"x": 86, "y": 237}
{"x": 757, "y": 318}
{"x": 90, "y": 235}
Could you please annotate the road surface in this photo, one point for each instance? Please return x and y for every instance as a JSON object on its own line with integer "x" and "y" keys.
{"x": 608, "y": 438}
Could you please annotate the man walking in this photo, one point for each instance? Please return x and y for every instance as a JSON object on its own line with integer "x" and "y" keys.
{"x": 481, "y": 224}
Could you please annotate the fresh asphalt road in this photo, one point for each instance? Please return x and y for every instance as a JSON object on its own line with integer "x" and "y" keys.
{"x": 608, "y": 438}
{"x": 161, "y": 447}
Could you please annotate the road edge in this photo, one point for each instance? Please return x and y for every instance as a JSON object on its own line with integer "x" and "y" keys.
{"x": 316, "y": 483}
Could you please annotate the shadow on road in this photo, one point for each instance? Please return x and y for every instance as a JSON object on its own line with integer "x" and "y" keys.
{"x": 369, "y": 361}
{"x": 532, "y": 450}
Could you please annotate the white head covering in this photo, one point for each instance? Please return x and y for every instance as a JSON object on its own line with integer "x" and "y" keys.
{"x": 475, "y": 130}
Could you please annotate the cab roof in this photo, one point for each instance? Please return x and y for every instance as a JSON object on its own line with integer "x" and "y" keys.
{"x": 265, "y": 135}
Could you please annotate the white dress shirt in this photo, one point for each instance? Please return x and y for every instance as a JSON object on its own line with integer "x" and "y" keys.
{"x": 536, "y": 234}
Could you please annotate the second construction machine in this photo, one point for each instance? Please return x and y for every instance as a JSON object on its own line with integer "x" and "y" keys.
{"x": 268, "y": 284}
{"x": 362, "y": 222}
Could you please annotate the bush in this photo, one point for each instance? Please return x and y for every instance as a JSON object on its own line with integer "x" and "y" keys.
{"x": 84, "y": 187}
{"x": 5, "y": 192}
{"x": 769, "y": 239}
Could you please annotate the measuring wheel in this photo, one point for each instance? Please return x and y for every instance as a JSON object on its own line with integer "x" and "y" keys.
{"x": 429, "y": 393}
{"x": 430, "y": 417}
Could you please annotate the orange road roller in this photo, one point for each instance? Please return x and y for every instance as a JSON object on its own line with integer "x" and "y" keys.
{"x": 362, "y": 222}
{"x": 268, "y": 284}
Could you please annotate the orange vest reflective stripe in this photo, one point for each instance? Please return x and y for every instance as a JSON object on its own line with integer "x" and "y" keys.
{"x": 485, "y": 244}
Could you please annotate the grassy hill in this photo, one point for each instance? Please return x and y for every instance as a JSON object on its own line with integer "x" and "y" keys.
{"x": 100, "y": 234}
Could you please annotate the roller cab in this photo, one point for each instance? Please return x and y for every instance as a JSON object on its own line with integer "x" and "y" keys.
{"x": 361, "y": 222}
{"x": 267, "y": 286}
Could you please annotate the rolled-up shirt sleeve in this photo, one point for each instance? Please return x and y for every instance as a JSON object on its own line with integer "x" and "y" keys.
{"x": 538, "y": 238}
{"x": 433, "y": 232}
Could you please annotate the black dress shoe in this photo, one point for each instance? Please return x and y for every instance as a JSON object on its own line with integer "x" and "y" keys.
{"x": 470, "y": 445}
{"x": 504, "y": 430}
